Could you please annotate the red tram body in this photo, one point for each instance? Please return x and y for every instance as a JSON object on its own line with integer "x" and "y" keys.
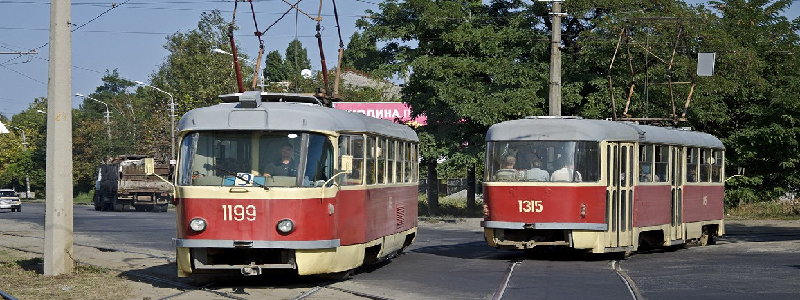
{"x": 320, "y": 216}
{"x": 601, "y": 186}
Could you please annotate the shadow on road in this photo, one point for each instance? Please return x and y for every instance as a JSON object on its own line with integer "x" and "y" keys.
{"x": 735, "y": 233}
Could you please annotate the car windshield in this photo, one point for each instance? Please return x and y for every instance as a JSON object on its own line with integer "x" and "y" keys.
{"x": 255, "y": 158}
{"x": 7, "y": 194}
{"x": 564, "y": 161}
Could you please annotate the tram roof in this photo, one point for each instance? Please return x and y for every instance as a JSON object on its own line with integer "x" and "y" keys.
{"x": 288, "y": 116}
{"x": 578, "y": 129}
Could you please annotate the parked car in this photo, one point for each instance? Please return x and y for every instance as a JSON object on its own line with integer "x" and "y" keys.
{"x": 9, "y": 200}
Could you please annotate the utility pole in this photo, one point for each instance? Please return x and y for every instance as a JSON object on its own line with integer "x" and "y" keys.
{"x": 58, "y": 207}
{"x": 555, "y": 60}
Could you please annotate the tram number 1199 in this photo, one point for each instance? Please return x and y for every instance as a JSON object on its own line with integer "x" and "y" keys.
{"x": 534, "y": 206}
{"x": 238, "y": 213}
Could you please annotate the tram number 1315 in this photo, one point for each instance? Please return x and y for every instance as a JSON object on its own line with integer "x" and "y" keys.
{"x": 534, "y": 206}
{"x": 238, "y": 213}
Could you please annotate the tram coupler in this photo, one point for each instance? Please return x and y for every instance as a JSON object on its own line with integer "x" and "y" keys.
{"x": 251, "y": 270}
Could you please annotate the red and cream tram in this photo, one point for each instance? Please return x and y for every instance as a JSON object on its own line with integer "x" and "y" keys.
{"x": 279, "y": 181}
{"x": 602, "y": 186}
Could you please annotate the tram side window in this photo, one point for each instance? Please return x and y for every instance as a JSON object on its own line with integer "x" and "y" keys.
{"x": 646, "y": 163}
{"x": 393, "y": 173}
{"x": 662, "y": 162}
{"x": 185, "y": 168}
{"x": 370, "y": 168}
{"x": 587, "y": 161}
{"x": 381, "y": 159}
{"x": 716, "y": 167}
{"x": 352, "y": 145}
{"x": 691, "y": 164}
{"x": 319, "y": 161}
{"x": 415, "y": 162}
{"x": 398, "y": 165}
{"x": 705, "y": 165}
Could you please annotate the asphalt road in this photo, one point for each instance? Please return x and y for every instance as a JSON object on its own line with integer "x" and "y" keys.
{"x": 451, "y": 261}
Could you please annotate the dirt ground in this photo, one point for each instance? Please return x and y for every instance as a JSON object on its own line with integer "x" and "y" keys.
{"x": 151, "y": 274}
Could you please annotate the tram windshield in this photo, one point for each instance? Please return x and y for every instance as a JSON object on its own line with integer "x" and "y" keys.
{"x": 571, "y": 161}
{"x": 255, "y": 158}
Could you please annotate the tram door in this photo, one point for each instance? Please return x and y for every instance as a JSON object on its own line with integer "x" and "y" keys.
{"x": 676, "y": 223}
{"x": 620, "y": 194}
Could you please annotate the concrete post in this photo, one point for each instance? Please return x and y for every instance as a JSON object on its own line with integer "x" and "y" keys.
{"x": 555, "y": 61}
{"x": 58, "y": 208}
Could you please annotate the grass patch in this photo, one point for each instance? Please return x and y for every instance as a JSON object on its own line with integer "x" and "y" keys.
{"x": 772, "y": 210}
{"x": 23, "y": 278}
{"x": 84, "y": 198}
{"x": 451, "y": 207}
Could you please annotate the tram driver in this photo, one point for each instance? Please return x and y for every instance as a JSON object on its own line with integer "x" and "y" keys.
{"x": 285, "y": 165}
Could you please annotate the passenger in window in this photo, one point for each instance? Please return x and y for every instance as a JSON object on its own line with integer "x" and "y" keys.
{"x": 644, "y": 174}
{"x": 507, "y": 171}
{"x": 691, "y": 176}
{"x": 566, "y": 173}
{"x": 284, "y": 166}
{"x": 536, "y": 173}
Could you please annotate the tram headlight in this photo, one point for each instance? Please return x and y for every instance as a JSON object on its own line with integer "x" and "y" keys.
{"x": 583, "y": 210}
{"x": 198, "y": 224}
{"x": 285, "y": 226}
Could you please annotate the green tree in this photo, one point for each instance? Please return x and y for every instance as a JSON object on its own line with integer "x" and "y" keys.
{"x": 758, "y": 80}
{"x": 296, "y": 58}
{"x": 362, "y": 54}
{"x": 16, "y": 163}
{"x": 275, "y": 69}
{"x": 193, "y": 74}
{"x": 474, "y": 65}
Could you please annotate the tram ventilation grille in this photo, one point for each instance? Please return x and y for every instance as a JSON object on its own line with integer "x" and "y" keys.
{"x": 400, "y": 216}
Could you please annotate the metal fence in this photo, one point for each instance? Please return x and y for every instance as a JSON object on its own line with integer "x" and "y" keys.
{"x": 450, "y": 186}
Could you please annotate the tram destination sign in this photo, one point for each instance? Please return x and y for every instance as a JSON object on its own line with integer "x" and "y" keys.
{"x": 394, "y": 111}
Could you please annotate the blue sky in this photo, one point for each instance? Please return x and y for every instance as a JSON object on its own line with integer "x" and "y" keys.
{"x": 130, "y": 38}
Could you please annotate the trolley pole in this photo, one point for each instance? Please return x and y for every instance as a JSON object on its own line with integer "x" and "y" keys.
{"x": 555, "y": 60}
{"x": 58, "y": 206}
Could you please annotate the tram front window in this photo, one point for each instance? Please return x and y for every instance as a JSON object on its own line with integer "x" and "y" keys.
{"x": 247, "y": 158}
{"x": 558, "y": 161}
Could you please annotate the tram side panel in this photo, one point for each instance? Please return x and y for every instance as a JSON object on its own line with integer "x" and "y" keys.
{"x": 652, "y": 205}
{"x": 703, "y": 205}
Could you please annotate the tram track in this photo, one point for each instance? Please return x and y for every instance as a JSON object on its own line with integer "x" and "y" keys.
{"x": 615, "y": 265}
{"x": 629, "y": 283}
{"x": 498, "y": 294}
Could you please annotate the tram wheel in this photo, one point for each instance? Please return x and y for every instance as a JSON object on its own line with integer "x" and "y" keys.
{"x": 707, "y": 238}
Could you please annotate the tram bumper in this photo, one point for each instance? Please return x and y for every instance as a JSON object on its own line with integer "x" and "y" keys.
{"x": 521, "y": 236}
{"x": 247, "y": 257}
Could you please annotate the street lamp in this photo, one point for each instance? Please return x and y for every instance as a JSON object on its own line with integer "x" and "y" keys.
{"x": 108, "y": 113}
{"x": 24, "y": 148}
{"x": 172, "y": 118}
{"x": 255, "y": 66}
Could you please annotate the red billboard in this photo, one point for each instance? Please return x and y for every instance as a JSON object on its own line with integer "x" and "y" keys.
{"x": 394, "y": 111}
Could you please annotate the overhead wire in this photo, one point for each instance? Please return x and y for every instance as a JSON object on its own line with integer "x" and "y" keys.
{"x": 113, "y": 6}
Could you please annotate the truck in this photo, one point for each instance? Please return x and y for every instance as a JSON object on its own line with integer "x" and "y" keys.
{"x": 122, "y": 184}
